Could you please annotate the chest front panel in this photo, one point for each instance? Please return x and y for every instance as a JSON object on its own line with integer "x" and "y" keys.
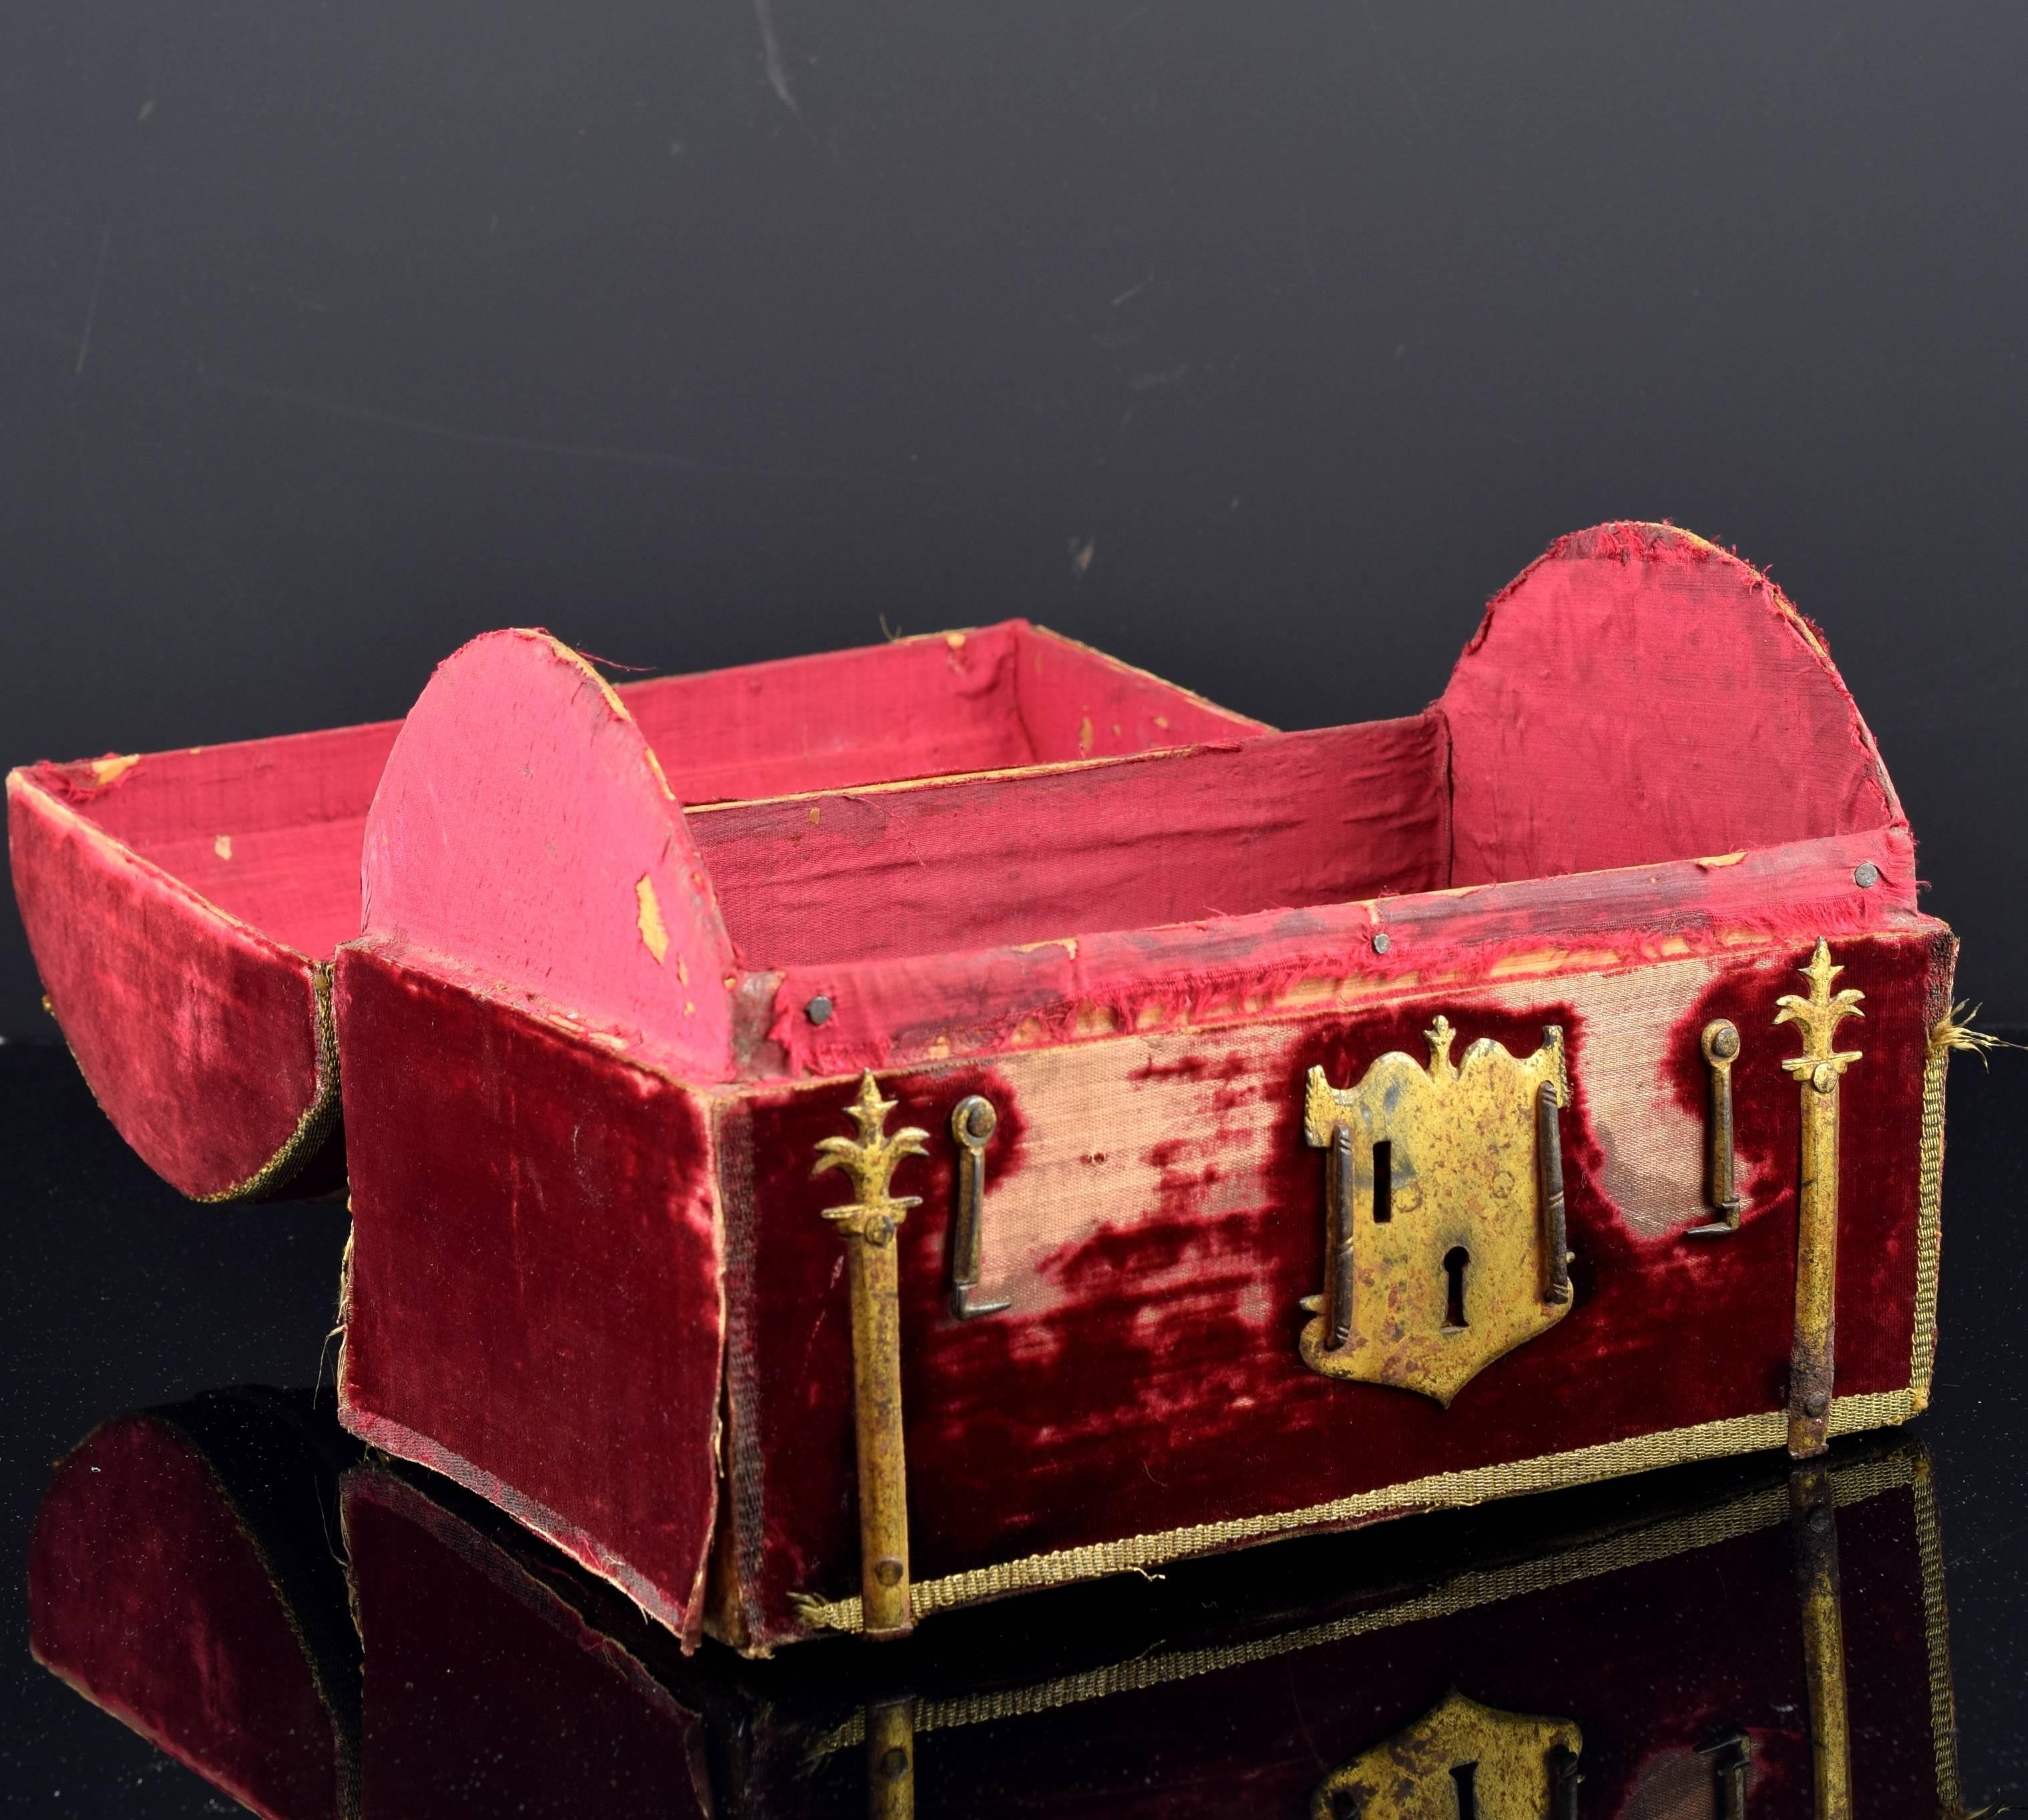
{"x": 1155, "y": 1217}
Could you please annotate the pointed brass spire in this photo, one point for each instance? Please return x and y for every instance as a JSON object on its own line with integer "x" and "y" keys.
{"x": 1439, "y": 1036}
{"x": 1818, "y": 1015}
{"x": 869, "y": 1163}
{"x": 1813, "y": 1351}
{"x": 868, "y": 1223}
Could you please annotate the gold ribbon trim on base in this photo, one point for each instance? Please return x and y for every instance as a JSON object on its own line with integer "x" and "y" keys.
{"x": 1474, "y": 1485}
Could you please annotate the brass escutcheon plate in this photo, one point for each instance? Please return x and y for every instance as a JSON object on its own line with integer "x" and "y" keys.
{"x": 1437, "y": 1184}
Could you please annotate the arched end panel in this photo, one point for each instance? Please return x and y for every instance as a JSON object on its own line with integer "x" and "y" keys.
{"x": 208, "y": 1044}
{"x": 1637, "y": 694}
{"x": 523, "y": 830}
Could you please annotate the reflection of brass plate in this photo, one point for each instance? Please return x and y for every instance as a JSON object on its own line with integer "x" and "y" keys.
{"x": 1450, "y": 1264}
{"x": 1460, "y": 1758}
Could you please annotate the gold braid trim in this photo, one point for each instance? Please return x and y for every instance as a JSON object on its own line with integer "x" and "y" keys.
{"x": 1658, "y": 1541}
{"x": 1873, "y": 1409}
{"x": 1476, "y": 1484}
{"x": 1952, "y": 1031}
{"x": 1929, "y": 1210}
{"x": 315, "y": 1125}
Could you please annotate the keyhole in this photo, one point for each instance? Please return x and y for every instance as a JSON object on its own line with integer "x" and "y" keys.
{"x": 1465, "y": 1776}
{"x": 1383, "y": 1182}
{"x": 1455, "y": 1260}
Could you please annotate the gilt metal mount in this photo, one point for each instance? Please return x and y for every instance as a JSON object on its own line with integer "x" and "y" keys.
{"x": 869, "y": 1222}
{"x": 1812, "y": 1360}
{"x": 973, "y": 1122}
{"x": 1444, "y": 1239}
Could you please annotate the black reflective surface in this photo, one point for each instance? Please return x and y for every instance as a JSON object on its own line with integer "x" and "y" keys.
{"x": 1659, "y": 1623}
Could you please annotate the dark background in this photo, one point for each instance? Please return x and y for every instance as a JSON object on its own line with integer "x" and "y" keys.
{"x": 332, "y": 334}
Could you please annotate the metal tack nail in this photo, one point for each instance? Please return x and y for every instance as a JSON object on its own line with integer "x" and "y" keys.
{"x": 1866, "y": 874}
{"x": 818, "y": 1010}
{"x": 1382, "y": 942}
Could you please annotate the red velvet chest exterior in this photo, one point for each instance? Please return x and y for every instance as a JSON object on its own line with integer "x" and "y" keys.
{"x": 593, "y": 1048}
{"x": 844, "y": 1139}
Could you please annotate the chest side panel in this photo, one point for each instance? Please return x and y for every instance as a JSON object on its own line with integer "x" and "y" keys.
{"x": 1154, "y": 1218}
{"x": 535, "y": 1305}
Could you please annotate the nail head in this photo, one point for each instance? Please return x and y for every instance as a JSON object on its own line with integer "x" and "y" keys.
{"x": 1382, "y": 942}
{"x": 1866, "y": 874}
{"x": 974, "y": 1119}
{"x": 818, "y": 1010}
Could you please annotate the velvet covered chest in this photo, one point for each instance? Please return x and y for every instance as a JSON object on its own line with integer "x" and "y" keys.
{"x": 818, "y": 1193}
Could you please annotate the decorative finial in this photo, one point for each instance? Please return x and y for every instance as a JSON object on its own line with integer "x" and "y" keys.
{"x": 867, "y": 1225}
{"x": 1817, "y": 1016}
{"x": 869, "y": 1162}
{"x": 1439, "y": 1037}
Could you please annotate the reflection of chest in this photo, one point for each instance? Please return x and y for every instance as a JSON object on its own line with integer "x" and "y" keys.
{"x": 1728, "y": 1642}
{"x": 1702, "y": 1647}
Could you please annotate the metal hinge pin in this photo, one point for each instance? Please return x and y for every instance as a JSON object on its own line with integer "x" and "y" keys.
{"x": 1720, "y": 1043}
{"x": 973, "y": 1121}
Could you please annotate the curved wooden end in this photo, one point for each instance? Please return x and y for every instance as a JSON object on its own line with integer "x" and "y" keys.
{"x": 208, "y": 1044}
{"x": 1637, "y": 694}
{"x": 524, "y": 830}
